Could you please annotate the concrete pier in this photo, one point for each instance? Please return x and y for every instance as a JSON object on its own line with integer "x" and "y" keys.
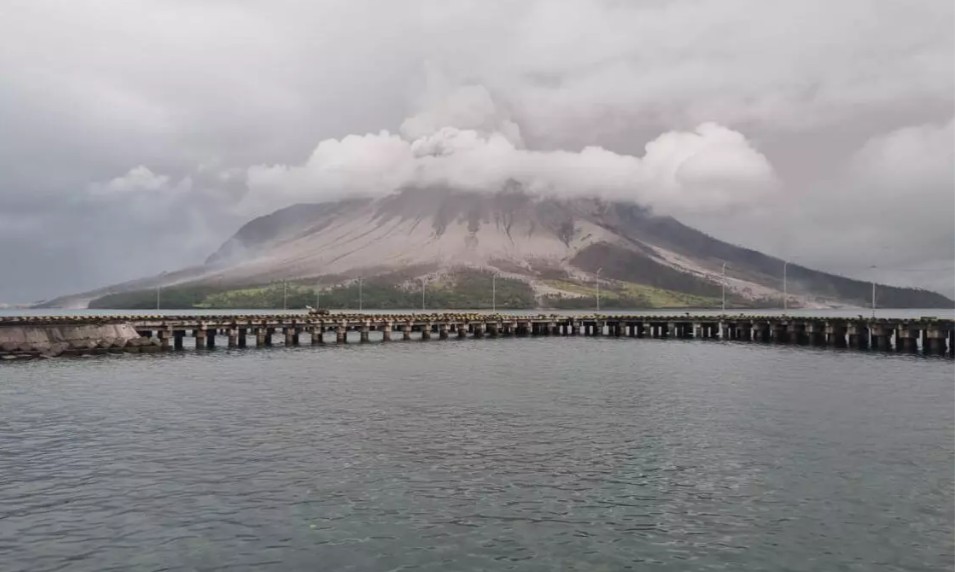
{"x": 167, "y": 333}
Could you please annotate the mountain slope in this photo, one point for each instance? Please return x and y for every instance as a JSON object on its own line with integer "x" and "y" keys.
{"x": 559, "y": 247}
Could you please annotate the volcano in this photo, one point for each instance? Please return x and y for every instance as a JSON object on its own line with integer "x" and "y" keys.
{"x": 559, "y": 247}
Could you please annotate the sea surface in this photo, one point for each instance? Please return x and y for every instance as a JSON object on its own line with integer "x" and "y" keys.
{"x": 495, "y": 454}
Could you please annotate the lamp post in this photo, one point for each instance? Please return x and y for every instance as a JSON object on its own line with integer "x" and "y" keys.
{"x": 785, "y": 287}
{"x": 493, "y": 293}
{"x": 285, "y": 295}
{"x": 318, "y": 295}
{"x": 360, "y": 301}
{"x": 599, "y": 270}
{"x": 724, "y": 288}
{"x": 873, "y": 291}
{"x": 422, "y": 292}
{"x": 159, "y": 288}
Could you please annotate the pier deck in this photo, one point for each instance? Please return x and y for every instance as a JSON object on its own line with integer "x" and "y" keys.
{"x": 170, "y": 332}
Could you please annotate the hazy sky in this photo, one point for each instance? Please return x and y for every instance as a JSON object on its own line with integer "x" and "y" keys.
{"x": 136, "y": 136}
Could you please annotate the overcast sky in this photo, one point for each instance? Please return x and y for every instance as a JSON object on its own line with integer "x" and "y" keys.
{"x": 136, "y": 136}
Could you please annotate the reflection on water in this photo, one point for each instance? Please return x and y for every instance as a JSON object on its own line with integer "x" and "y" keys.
{"x": 508, "y": 454}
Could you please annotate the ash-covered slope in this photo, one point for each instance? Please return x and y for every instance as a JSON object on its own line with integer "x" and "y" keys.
{"x": 561, "y": 248}
{"x": 521, "y": 235}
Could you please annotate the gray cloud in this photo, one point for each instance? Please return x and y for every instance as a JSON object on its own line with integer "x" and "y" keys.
{"x": 850, "y": 104}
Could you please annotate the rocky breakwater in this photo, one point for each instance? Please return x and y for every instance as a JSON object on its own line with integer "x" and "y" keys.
{"x": 34, "y": 340}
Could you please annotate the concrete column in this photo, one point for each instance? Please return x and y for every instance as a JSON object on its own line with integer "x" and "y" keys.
{"x": 462, "y": 330}
{"x": 880, "y": 336}
{"x": 211, "y": 338}
{"x": 177, "y": 336}
{"x": 386, "y": 328}
{"x": 318, "y": 335}
{"x": 493, "y": 329}
{"x": 935, "y": 340}
{"x": 746, "y": 331}
{"x": 406, "y": 331}
{"x": 233, "y": 337}
{"x": 363, "y": 332}
{"x": 816, "y": 333}
{"x": 341, "y": 334}
{"x": 426, "y": 331}
{"x": 907, "y": 339}
{"x": 858, "y": 335}
{"x": 243, "y": 333}
{"x": 478, "y": 329}
{"x": 780, "y": 332}
{"x": 164, "y": 339}
{"x": 291, "y": 336}
{"x": 575, "y": 328}
{"x": 261, "y": 335}
{"x": 836, "y": 334}
{"x": 443, "y": 331}
{"x": 200, "y": 336}
{"x": 268, "y": 336}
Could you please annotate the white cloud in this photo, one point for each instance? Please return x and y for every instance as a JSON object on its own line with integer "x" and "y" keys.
{"x": 140, "y": 180}
{"x": 88, "y": 90}
{"x": 460, "y": 145}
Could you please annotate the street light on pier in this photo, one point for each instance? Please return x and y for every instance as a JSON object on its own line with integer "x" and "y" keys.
{"x": 785, "y": 287}
{"x": 318, "y": 295}
{"x": 422, "y": 292}
{"x": 285, "y": 295}
{"x": 159, "y": 288}
{"x": 494, "y": 292}
{"x": 724, "y": 287}
{"x": 599, "y": 270}
{"x": 873, "y": 267}
{"x": 359, "y": 295}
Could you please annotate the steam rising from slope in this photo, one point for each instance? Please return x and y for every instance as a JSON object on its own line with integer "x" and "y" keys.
{"x": 468, "y": 142}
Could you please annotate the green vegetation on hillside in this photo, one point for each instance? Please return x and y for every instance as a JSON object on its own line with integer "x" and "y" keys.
{"x": 461, "y": 290}
{"x": 622, "y": 295}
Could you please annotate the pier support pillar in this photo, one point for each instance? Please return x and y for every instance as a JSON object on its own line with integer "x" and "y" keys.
{"x": 443, "y": 330}
{"x": 200, "y": 336}
{"x": 816, "y": 334}
{"x": 797, "y": 333}
{"x": 268, "y": 336}
{"x": 341, "y": 335}
{"x": 836, "y": 334}
{"x": 858, "y": 336}
{"x": 363, "y": 335}
{"x": 479, "y": 330}
{"x": 406, "y": 332}
{"x": 318, "y": 335}
{"x": 426, "y": 331}
{"x": 935, "y": 340}
{"x": 164, "y": 339}
{"x": 260, "y": 337}
{"x": 575, "y": 328}
{"x": 907, "y": 339}
{"x": 780, "y": 333}
{"x": 493, "y": 329}
{"x": 462, "y": 331}
{"x": 233, "y": 338}
{"x": 386, "y": 328}
{"x": 177, "y": 337}
{"x": 291, "y": 336}
{"x": 880, "y": 336}
{"x": 243, "y": 333}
